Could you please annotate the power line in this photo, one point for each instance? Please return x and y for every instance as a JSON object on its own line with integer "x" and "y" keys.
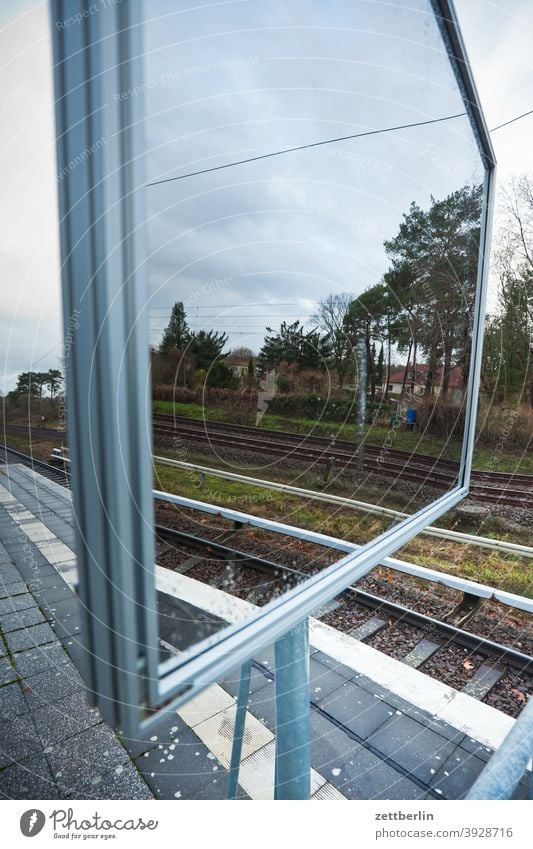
{"x": 306, "y": 147}
{"x": 226, "y": 306}
{"x": 223, "y": 317}
{"x": 512, "y": 120}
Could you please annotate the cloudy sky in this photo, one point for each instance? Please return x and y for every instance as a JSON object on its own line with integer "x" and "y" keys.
{"x": 247, "y": 246}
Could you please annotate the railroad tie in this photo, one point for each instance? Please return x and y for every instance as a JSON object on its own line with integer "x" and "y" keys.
{"x": 421, "y": 652}
{"x": 187, "y": 565}
{"x": 368, "y": 628}
{"x": 483, "y": 681}
{"x": 329, "y": 607}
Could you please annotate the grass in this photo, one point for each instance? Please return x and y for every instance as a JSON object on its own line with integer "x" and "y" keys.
{"x": 506, "y": 572}
{"x": 484, "y": 458}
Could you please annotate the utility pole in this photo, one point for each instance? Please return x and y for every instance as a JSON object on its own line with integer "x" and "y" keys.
{"x": 361, "y": 413}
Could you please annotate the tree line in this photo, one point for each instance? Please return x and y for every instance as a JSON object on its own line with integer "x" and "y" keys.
{"x": 36, "y": 383}
{"x": 422, "y": 308}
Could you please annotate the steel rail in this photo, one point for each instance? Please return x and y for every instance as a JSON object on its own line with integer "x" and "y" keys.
{"x": 484, "y": 480}
{"x": 451, "y": 581}
{"x": 474, "y": 642}
{"x": 332, "y": 443}
{"x": 426, "y": 476}
{"x": 441, "y": 533}
{"x": 31, "y": 462}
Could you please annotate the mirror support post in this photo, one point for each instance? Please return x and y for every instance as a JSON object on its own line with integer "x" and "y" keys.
{"x": 293, "y": 751}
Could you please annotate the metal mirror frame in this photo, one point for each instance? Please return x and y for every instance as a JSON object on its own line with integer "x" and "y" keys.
{"x": 101, "y": 203}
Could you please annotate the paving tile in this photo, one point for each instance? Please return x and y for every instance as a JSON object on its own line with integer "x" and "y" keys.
{"x": 262, "y": 704}
{"x": 457, "y": 774}
{"x": 217, "y": 734}
{"x": 66, "y": 618}
{"x": 121, "y": 782}
{"x": 359, "y": 711}
{"x": 417, "y": 749}
{"x": 355, "y": 771}
{"x": 16, "y": 603}
{"x": 29, "y": 638}
{"x": 476, "y": 748}
{"x": 65, "y": 718}
{"x": 257, "y": 774}
{"x": 34, "y": 661}
{"x": 18, "y": 740}
{"x": 209, "y": 702}
{"x": 442, "y": 728}
{"x": 328, "y": 793}
{"x": 9, "y": 590}
{"x": 12, "y": 701}
{"x": 391, "y": 699}
{"x": 323, "y": 681}
{"x": 21, "y": 619}
{"x": 189, "y": 771}
{"x": 168, "y": 729}
{"x": 330, "y": 745}
{"x": 51, "y": 685}
{"x": 7, "y": 673}
{"x": 346, "y": 671}
{"x": 365, "y": 776}
{"x": 258, "y": 680}
{"x": 47, "y": 596}
{"x": 266, "y": 657}
{"x": 29, "y": 779}
{"x": 8, "y": 573}
{"x": 91, "y": 752}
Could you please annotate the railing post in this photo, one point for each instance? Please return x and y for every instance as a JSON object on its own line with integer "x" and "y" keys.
{"x": 238, "y": 731}
{"x": 293, "y": 765}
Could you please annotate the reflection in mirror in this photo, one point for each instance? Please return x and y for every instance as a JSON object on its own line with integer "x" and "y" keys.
{"x": 315, "y": 194}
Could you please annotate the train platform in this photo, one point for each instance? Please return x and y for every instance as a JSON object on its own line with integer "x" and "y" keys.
{"x": 380, "y": 730}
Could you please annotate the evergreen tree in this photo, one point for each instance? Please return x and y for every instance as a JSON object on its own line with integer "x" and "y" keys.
{"x": 206, "y": 347}
{"x": 177, "y": 333}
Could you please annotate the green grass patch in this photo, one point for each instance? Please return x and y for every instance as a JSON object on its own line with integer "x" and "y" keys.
{"x": 485, "y": 459}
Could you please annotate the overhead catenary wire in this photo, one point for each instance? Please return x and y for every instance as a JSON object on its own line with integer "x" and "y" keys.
{"x": 512, "y": 120}
{"x": 329, "y": 141}
{"x": 306, "y": 147}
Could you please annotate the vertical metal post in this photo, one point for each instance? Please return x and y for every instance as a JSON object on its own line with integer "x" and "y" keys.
{"x": 100, "y": 181}
{"x": 293, "y": 750}
{"x": 361, "y": 412}
{"x": 238, "y": 731}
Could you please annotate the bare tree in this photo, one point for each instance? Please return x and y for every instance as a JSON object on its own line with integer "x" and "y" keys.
{"x": 330, "y": 318}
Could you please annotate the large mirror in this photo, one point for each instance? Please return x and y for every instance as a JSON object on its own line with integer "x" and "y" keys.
{"x": 315, "y": 195}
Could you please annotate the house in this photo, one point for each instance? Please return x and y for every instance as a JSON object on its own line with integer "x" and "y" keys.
{"x": 415, "y": 381}
{"x": 238, "y": 365}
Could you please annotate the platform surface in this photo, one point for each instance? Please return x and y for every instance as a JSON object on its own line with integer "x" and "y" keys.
{"x": 368, "y": 742}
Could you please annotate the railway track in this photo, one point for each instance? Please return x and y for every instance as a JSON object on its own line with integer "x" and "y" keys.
{"x": 492, "y": 487}
{"x": 10, "y": 455}
{"x": 504, "y": 489}
{"x": 437, "y": 642}
{"x": 440, "y": 645}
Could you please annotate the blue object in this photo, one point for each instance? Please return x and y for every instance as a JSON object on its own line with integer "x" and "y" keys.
{"x": 293, "y": 749}
{"x": 411, "y": 416}
{"x": 238, "y": 731}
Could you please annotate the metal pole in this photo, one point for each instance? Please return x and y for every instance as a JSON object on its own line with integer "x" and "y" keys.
{"x": 361, "y": 413}
{"x": 238, "y": 731}
{"x": 293, "y": 753}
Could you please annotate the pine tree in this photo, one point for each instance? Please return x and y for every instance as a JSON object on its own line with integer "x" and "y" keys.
{"x": 177, "y": 333}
